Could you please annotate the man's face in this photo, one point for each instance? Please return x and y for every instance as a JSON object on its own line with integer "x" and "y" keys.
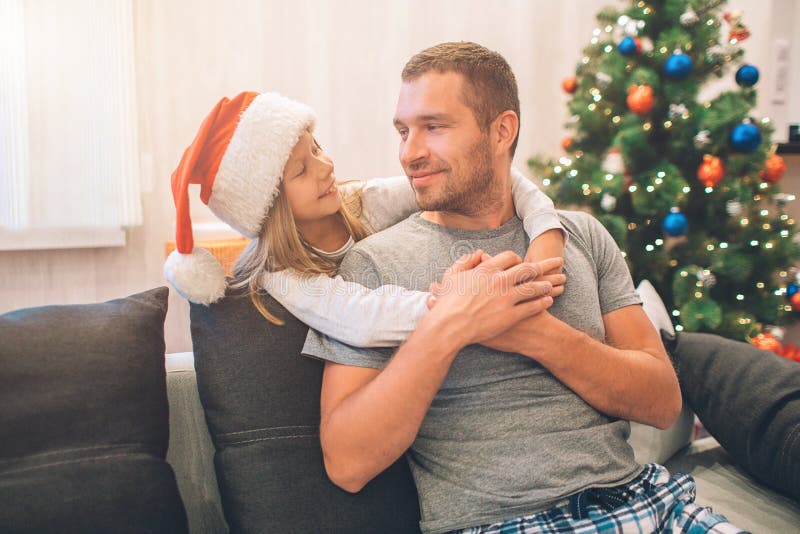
{"x": 442, "y": 149}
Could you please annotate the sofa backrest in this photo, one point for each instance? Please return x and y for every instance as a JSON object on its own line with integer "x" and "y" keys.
{"x": 261, "y": 402}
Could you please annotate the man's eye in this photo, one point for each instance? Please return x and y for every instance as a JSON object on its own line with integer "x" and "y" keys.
{"x": 403, "y": 133}
{"x": 434, "y": 126}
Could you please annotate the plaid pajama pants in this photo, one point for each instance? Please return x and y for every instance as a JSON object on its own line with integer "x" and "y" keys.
{"x": 652, "y": 502}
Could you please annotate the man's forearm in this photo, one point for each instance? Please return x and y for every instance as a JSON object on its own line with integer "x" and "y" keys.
{"x": 634, "y": 384}
{"x": 368, "y": 430}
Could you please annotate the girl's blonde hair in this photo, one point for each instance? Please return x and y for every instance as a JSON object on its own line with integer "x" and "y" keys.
{"x": 280, "y": 246}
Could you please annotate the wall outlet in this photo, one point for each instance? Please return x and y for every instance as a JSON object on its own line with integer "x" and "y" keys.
{"x": 780, "y": 85}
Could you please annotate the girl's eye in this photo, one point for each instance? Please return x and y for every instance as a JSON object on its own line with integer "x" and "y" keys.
{"x": 302, "y": 171}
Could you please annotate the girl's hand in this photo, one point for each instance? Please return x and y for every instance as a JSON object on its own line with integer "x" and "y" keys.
{"x": 525, "y": 273}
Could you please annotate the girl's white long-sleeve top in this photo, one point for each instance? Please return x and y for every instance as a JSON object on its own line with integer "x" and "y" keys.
{"x": 385, "y": 316}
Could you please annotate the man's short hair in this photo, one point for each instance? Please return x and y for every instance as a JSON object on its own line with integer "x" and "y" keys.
{"x": 491, "y": 87}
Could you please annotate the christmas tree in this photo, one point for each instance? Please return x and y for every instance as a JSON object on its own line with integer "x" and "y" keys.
{"x": 687, "y": 187}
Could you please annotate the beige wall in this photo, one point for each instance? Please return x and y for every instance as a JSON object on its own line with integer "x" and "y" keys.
{"x": 344, "y": 59}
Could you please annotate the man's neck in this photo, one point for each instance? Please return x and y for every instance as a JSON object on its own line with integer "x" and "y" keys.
{"x": 489, "y": 213}
{"x": 477, "y": 221}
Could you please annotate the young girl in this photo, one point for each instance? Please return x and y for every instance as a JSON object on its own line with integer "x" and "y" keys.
{"x": 262, "y": 172}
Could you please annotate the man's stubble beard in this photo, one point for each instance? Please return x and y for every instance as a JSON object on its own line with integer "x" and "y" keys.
{"x": 470, "y": 195}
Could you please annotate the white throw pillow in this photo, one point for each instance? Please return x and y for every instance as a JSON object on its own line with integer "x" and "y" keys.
{"x": 649, "y": 443}
{"x": 654, "y": 307}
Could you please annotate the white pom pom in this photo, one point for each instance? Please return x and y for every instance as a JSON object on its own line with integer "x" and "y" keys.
{"x": 197, "y": 276}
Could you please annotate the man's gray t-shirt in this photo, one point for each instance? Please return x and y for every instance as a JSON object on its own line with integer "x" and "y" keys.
{"x": 503, "y": 437}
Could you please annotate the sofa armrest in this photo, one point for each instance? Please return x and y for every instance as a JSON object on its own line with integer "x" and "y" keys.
{"x": 191, "y": 452}
{"x": 652, "y": 445}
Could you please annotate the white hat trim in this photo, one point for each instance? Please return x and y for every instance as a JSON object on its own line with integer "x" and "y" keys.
{"x": 247, "y": 181}
{"x": 197, "y": 276}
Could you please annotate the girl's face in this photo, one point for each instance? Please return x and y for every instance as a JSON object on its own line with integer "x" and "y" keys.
{"x": 309, "y": 183}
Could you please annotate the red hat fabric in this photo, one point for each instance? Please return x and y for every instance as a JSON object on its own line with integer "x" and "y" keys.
{"x": 201, "y": 160}
{"x": 237, "y": 158}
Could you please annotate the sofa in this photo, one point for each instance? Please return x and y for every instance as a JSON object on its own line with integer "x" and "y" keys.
{"x": 99, "y": 432}
{"x": 721, "y": 483}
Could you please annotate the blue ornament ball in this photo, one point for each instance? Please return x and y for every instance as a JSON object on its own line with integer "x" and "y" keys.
{"x": 745, "y": 137}
{"x": 678, "y": 66}
{"x": 675, "y": 224}
{"x": 627, "y": 47}
{"x": 747, "y": 75}
{"x": 791, "y": 289}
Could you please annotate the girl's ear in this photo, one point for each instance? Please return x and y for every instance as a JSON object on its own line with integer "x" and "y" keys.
{"x": 505, "y": 128}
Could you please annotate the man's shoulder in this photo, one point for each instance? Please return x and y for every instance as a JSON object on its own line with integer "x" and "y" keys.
{"x": 576, "y": 217}
{"x": 578, "y": 223}
{"x": 387, "y": 239}
{"x": 379, "y": 250}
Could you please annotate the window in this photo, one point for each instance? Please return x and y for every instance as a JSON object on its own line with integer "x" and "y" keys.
{"x": 69, "y": 157}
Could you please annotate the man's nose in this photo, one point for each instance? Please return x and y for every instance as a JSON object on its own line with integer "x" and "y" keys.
{"x": 413, "y": 148}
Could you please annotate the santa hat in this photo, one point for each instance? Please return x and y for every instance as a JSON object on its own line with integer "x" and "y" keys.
{"x": 237, "y": 158}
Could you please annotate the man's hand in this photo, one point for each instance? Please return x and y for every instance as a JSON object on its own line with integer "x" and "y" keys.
{"x": 492, "y": 293}
{"x": 527, "y": 271}
{"x": 550, "y": 268}
{"x": 515, "y": 337}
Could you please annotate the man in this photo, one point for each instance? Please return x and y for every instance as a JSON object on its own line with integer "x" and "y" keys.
{"x": 507, "y": 411}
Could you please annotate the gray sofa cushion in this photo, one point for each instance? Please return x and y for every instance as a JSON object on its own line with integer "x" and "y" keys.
{"x": 84, "y": 419}
{"x": 261, "y": 399}
{"x": 749, "y": 400}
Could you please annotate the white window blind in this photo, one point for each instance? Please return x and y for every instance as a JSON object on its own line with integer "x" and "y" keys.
{"x": 69, "y": 155}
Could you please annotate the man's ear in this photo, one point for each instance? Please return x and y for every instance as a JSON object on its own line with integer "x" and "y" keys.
{"x": 505, "y": 127}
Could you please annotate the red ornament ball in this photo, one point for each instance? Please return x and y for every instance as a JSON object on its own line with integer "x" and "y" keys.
{"x": 640, "y": 99}
{"x": 566, "y": 143}
{"x": 774, "y": 168}
{"x": 711, "y": 171}
{"x": 795, "y": 301}
{"x": 569, "y": 85}
{"x": 767, "y": 342}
